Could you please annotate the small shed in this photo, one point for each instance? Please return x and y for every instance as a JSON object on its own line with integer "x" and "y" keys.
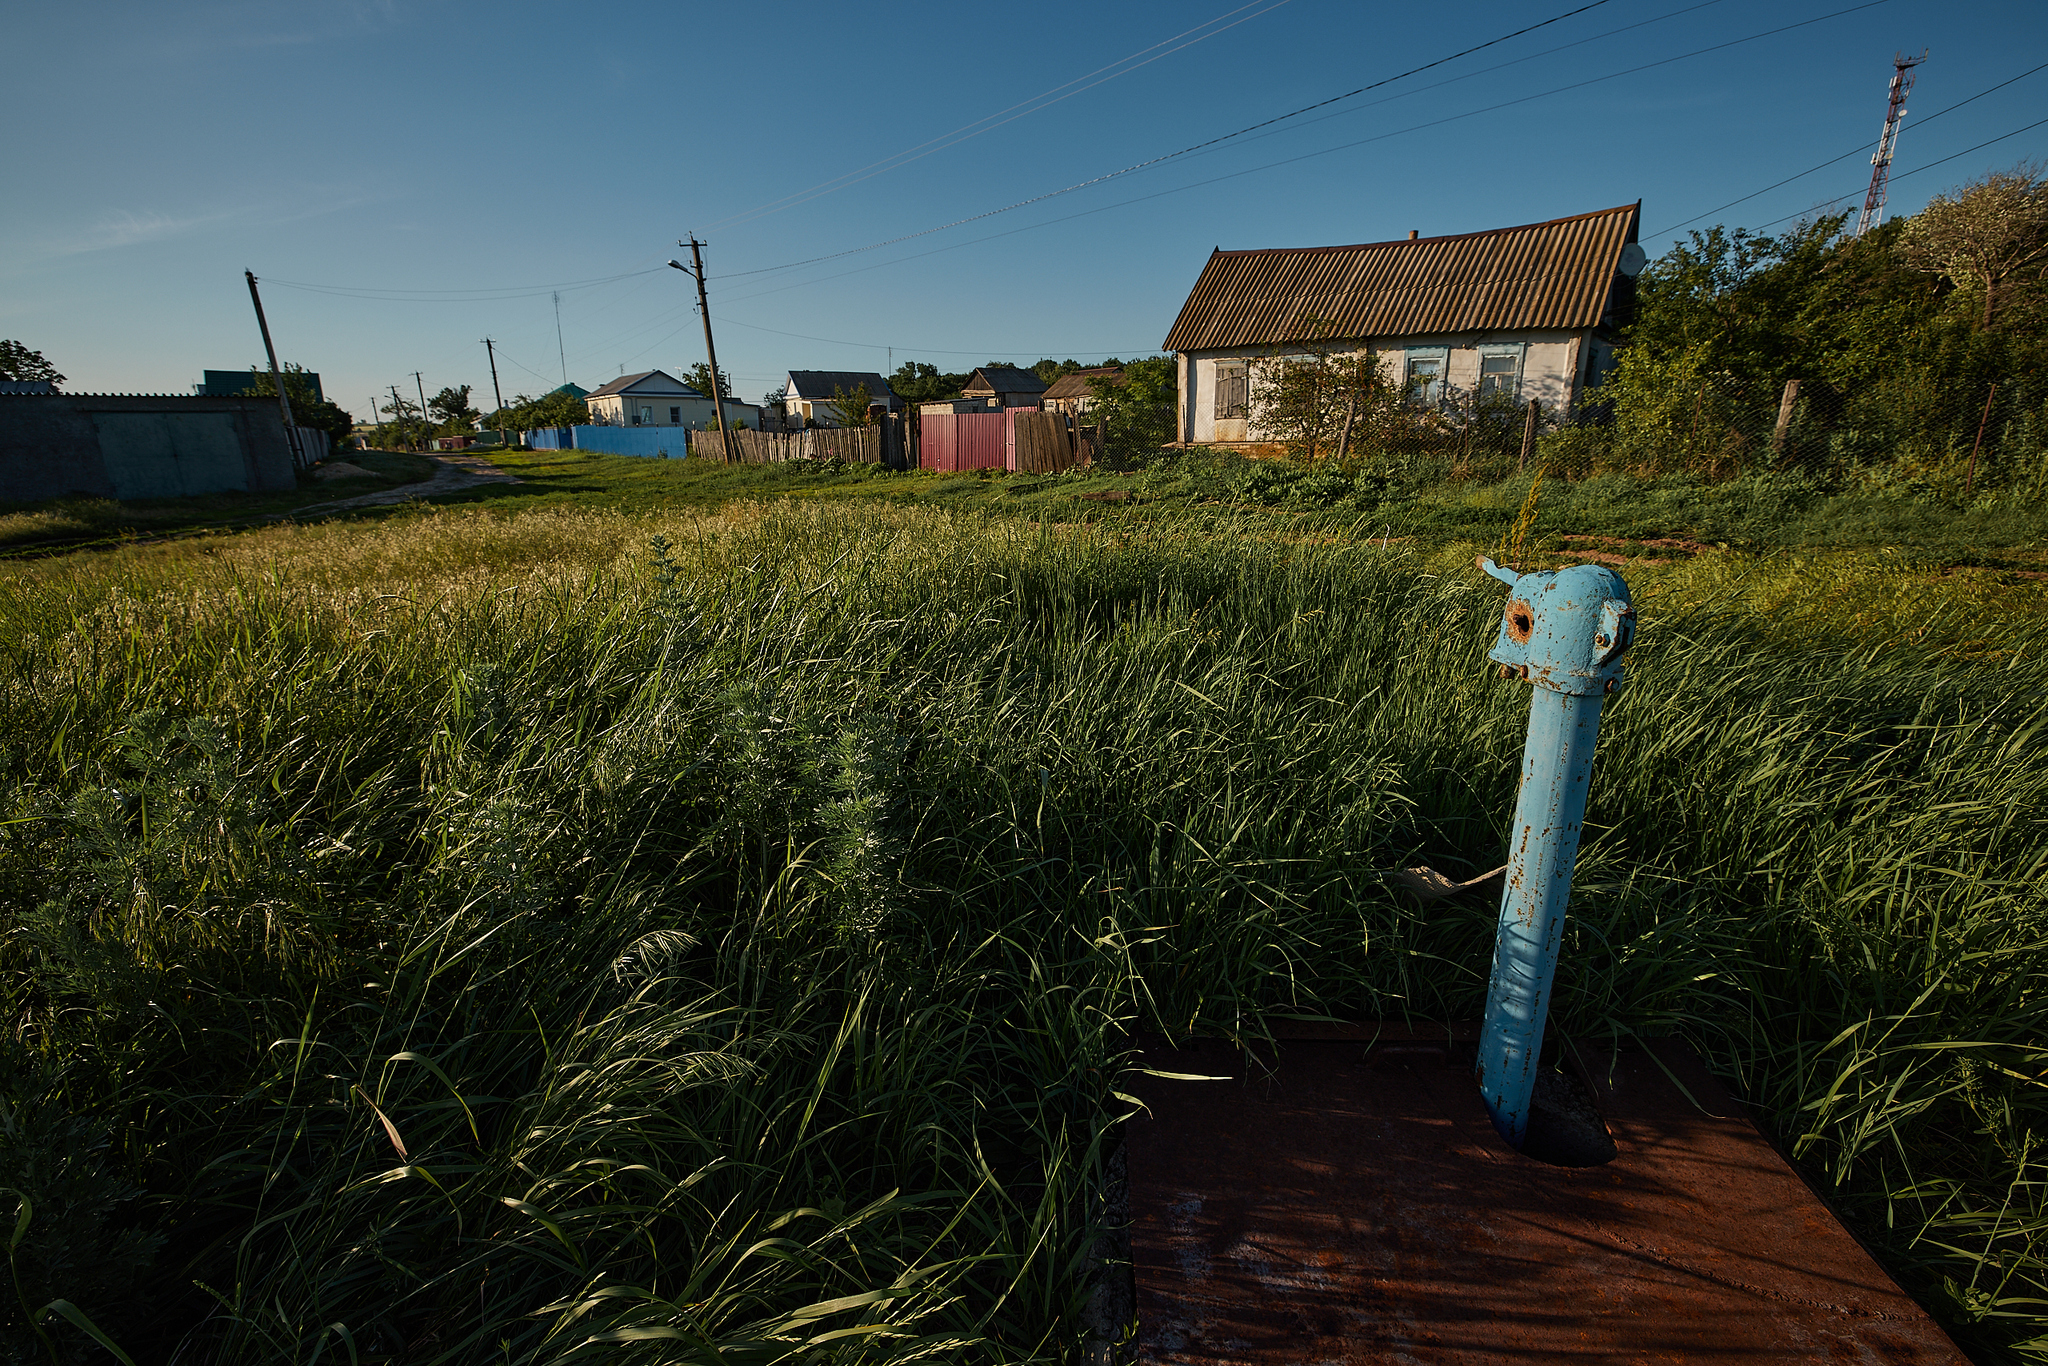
{"x": 1003, "y": 386}
{"x": 1529, "y": 312}
{"x": 1074, "y": 394}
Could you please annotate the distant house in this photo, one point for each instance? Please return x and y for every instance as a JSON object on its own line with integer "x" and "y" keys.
{"x": 1527, "y": 311}
{"x": 229, "y": 383}
{"x": 1073, "y": 394}
{"x": 808, "y": 397}
{"x": 655, "y": 398}
{"x": 1003, "y": 386}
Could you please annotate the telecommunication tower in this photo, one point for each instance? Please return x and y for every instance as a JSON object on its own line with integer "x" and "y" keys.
{"x": 1881, "y": 163}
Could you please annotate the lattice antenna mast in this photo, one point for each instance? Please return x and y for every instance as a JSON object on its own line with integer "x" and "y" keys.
{"x": 1881, "y": 163}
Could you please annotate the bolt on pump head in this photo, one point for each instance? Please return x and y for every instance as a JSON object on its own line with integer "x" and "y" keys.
{"x": 1564, "y": 629}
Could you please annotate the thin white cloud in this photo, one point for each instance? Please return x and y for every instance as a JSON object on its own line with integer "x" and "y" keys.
{"x": 131, "y": 227}
{"x": 127, "y": 228}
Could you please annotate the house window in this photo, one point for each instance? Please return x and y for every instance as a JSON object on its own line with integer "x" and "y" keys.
{"x": 675, "y": 417}
{"x": 1232, "y": 384}
{"x": 1425, "y": 379}
{"x": 1500, "y": 371}
{"x": 646, "y": 418}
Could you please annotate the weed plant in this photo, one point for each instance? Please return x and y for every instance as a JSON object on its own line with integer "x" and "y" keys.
{"x": 719, "y": 938}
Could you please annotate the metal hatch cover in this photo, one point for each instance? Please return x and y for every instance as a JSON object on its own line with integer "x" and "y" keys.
{"x": 1351, "y": 1203}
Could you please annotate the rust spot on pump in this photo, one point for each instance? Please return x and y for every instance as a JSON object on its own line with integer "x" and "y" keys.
{"x": 1521, "y": 621}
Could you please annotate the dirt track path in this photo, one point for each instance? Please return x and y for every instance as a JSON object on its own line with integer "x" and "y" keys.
{"x": 458, "y": 472}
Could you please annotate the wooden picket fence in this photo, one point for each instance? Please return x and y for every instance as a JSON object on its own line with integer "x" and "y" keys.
{"x": 1044, "y": 444}
{"x": 852, "y": 445}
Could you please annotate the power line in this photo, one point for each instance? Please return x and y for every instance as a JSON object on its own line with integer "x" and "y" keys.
{"x": 456, "y": 296}
{"x": 1015, "y": 111}
{"x": 1853, "y": 151}
{"x": 1928, "y": 166}
{"x": 1326, "y": 151}
{"x": 926, "y": 350}
{"x": 1185, "y": 151}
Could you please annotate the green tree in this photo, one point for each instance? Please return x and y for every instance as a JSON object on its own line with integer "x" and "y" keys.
{"x": 17, "y": 362}
{"x": 1323, "y": 397}
{"x": 698, "y": 377}
{"x": 407, "y": 427}
{"x": 1990, "y": 238}
{"x": 556, "y": 409}
{"x": 853, "y": 407}
{"x": 451, "y": 412}
{"x": 308, "y": 409}
{"x": 1134, "y": 413}
{"x": 918, "y": 382}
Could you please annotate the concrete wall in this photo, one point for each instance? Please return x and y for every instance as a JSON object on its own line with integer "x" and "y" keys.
{"x": 140, "y": 446}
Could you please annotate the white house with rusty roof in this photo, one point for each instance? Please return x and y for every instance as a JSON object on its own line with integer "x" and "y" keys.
{"x": 1529, "y": 311}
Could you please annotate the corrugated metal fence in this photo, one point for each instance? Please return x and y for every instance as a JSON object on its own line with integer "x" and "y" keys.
{"x": 1018, "y": 439}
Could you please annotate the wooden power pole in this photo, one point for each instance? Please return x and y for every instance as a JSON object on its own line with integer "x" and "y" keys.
{"x": 710, "y": 348}
{"x": 284, "y": 403}
{"x": 496, "y": 392}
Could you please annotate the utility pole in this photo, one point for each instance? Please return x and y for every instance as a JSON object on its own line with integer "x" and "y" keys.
{"x": 423, "y": 396}
{"x": 496, "y": 392}
{"x": 397, "y": 411}
{"x": 1888, "y": 142}
{"x": 284, "y": 403}
{"x": 710, "y": 350}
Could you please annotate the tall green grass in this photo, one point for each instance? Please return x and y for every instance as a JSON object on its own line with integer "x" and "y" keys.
{"x": 718, "y": 939}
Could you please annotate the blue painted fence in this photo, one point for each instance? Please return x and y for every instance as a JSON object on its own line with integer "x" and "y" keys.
{"x": 659, "y": 442}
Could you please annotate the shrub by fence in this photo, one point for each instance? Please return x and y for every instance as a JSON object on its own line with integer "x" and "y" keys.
{"x": 1955, "y": 439}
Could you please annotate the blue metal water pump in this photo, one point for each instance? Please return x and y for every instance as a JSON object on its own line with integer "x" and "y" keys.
{"x": 1564, "y": 632}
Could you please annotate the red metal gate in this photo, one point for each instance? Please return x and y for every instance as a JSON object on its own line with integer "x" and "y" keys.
{"x": 963, "y": 441}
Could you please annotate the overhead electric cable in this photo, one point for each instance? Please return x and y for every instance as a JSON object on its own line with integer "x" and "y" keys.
{"x": 1853, "y": 151}
{"x": 1925, "y": 166}
{"x": 456, "y": 296}
{"x": 925, "y": 350}
{"x": 1014, "y": 112}
{"x": 1326, "y": 151}
{"x": 1185, "y": 151}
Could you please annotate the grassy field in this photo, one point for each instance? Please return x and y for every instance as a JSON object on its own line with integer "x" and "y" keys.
{"x": 703, "y": 913}
{"x": 1668, "y": 517}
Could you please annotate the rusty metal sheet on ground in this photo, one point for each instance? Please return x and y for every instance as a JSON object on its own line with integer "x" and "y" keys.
{"x": 1350, "y": 1203}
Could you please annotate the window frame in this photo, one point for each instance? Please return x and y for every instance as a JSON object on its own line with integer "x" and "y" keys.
{"x": 1229, "y": 375}
{"x": 1517, "y": 351}
{"x": 1442, "y": 356}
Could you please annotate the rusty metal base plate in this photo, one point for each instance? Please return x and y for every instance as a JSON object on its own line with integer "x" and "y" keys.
{"x": 1345, "y": 1200}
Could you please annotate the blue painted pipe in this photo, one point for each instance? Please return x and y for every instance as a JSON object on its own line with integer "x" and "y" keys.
{"x": 1564, "y": 633}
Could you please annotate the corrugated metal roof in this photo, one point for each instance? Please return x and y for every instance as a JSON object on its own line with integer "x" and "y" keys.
{"x": 1075, "y": 384}
{"x": 625, "y": 382}
{"x": 815, "y": 384}
{"x": 1541, "y": 275}
{"x": 1003, "y": 379}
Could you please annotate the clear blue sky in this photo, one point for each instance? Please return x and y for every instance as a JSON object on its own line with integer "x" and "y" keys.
{"x": 155, "y": 151}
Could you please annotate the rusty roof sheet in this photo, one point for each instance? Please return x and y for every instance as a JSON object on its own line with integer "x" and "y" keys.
{"x": 1541, "y": 275}
{"x": 1075, "y": 383}
{"x": 1003, "y": 379}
